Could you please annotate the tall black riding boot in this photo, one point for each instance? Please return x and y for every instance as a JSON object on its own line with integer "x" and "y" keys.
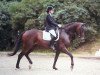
{"x": 52, "y": 43}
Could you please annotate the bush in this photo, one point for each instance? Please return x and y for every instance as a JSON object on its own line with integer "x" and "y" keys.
{"x": 27, "y": 14}
{"x": 5, "y": 30}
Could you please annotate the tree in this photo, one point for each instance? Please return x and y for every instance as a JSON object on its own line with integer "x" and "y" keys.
{"x": 5, "y": 30}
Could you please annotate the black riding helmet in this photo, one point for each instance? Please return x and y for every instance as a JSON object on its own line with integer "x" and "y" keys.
{"x": 49, "y": 8}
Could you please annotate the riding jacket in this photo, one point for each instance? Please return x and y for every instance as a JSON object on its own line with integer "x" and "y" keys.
{"x": 50, "y": 23}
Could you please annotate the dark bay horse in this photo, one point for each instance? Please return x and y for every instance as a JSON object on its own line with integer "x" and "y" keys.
{"x": 34, "y": 37}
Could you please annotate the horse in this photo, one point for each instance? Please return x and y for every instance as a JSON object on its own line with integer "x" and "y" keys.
{"x": 34, "y": 38}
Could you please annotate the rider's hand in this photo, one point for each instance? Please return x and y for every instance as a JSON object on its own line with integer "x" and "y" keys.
{"x": 59, "y": 25}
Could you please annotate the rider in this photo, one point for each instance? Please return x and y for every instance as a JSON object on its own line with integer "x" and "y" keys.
{"x": 51, "y": 25}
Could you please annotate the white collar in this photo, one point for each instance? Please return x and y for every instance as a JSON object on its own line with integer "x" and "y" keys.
{"x": 50, "y": 14}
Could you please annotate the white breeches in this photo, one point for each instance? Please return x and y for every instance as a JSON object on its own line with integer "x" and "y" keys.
{"x": 53, "y": 32}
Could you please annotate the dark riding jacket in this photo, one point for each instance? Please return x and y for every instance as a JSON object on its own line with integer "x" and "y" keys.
{"x": 50, "y": 23}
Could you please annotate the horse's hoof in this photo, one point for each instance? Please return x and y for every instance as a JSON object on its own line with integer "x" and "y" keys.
{"x": 55, "y": 68}
{"x": 71, "y": 67}
{"x": 8, "y": 54}
{"x": 30, "y": 66}
{"x": 17, "y": 67}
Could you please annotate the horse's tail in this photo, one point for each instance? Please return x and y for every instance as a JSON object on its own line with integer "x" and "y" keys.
{"x": 17, "y": 45}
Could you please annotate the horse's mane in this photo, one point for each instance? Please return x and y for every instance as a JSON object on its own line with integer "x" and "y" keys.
{"x": 72, "y": 24}
{"x": 70, "y": 27}
{"x": 68, "y": 24}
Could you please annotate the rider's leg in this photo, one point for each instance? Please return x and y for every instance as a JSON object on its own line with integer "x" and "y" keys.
{"x": 52, "y": 42}
{"x": 53, "y": 35}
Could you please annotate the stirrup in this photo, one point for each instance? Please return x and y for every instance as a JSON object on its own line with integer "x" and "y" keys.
{"x": 52, "y": 47}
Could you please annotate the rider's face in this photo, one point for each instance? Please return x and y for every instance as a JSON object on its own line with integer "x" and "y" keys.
{"x": 52, "y": 11}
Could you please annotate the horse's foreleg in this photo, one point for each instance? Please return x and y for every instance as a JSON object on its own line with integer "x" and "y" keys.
{"x": 55, "y": 59}
{"x": 71, "y": 56}
{"x": 19, "y": 58}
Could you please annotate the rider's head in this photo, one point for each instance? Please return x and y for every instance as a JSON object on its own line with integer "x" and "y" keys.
{"x": 50, "y": 10}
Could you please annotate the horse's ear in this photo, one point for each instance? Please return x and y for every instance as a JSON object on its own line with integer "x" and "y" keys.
{"x": 84, "y": 26}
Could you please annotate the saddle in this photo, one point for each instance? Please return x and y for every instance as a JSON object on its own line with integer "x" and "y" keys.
{"x": 48, "y": 36}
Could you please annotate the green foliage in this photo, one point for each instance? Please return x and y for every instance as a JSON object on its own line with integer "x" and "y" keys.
{"x": 90, "y": 33}
{"x": 71, "y": 13}
{"x": 28, "y": 14}
{"x": 5, "y": 30}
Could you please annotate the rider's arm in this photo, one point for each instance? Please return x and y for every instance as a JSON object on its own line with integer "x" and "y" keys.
{"x": 51, "y": 21}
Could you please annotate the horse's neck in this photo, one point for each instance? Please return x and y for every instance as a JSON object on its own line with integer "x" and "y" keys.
{"x": 71, "y": 31}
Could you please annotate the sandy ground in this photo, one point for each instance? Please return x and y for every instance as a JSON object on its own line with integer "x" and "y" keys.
{"x": 42, "y": 65}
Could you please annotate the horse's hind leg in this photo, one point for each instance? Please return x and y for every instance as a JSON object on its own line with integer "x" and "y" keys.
{"x": 71, "y": 56}
{"x": 30, "y": 61}
{"x": 28, "y": 58}
{"x": 19, "y": 58}
{"x": 31, "y": 47}
{"x": 55, "y": 59}
{"x": 26, "y": 48}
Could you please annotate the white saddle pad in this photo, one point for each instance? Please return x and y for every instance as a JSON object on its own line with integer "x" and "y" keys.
{"x": 46, "y": 36}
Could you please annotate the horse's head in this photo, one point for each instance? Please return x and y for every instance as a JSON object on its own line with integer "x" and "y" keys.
{"x": 75, "y": 28}
{"x": 80, "y": 31}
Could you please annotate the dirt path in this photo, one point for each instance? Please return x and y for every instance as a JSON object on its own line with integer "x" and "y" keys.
{"x": 42, "y": 65}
